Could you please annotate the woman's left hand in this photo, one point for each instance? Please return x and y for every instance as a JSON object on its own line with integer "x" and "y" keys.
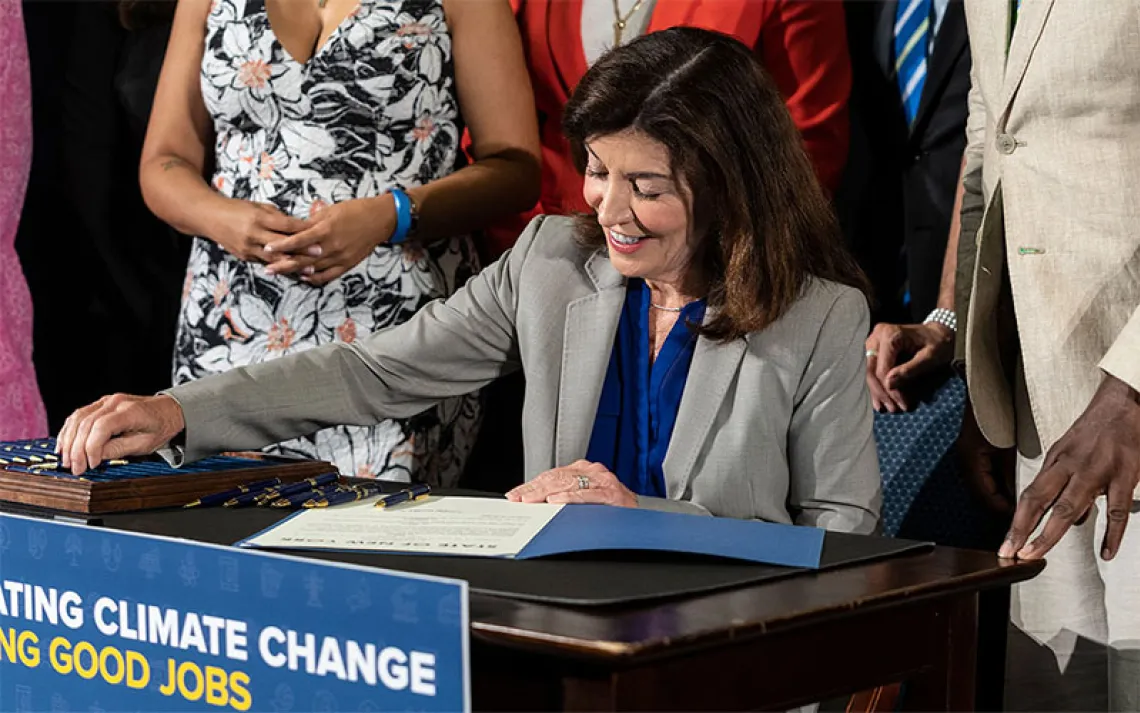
{"x": 337, "y": 238}
{"x": 580, "y": 482}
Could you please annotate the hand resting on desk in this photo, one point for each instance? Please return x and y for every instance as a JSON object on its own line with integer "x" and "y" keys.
{"x": 579, "y": 482}
{"x": 118, "y": 426}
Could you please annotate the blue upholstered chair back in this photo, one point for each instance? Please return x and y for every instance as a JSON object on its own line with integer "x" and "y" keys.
{"x": 924, "y": 495}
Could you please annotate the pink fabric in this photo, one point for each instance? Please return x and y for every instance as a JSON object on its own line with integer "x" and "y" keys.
{"x": 21, "y": 409}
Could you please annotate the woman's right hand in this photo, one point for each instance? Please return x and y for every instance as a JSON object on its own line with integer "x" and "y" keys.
{"x": 115, "y": 427}
{"x": 244, "y": 228}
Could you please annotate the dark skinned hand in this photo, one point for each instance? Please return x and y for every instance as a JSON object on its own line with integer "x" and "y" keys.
{"x": 1099, "y": 455}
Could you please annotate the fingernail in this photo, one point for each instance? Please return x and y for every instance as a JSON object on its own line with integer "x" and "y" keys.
{"x": 314, "y": 250}
{"x": 309, "y": 270}
{"x": 268, "y": 248}
{"x": 1106, "y": 554}
{"x": 270, "y": 270}
{"x": 1026, "y": 552}
{"x": 1006, "y": 550}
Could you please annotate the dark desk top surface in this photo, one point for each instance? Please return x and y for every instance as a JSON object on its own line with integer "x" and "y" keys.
{"x": 748, "y": 611}
{"x": 641, "y": 630}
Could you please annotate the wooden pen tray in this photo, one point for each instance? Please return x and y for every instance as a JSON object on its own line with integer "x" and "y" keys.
{"x": 27, "y": 476}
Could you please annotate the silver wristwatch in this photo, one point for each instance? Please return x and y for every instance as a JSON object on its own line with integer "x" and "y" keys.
{"x": 946, "y": 317}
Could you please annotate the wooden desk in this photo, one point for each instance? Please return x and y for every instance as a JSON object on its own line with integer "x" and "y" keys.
{"x": 767, "y": 647}
{"x": 770, "y": 646}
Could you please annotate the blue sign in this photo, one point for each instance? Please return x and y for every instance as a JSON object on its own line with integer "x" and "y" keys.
{"x": 98, "y": 620}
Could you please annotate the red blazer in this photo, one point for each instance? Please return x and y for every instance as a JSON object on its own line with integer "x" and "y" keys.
{"x": 802, "y": 44}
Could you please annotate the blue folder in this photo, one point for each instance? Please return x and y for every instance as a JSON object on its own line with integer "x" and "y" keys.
{"x": 582, "y": 528}
{"x": 586, "y": 528}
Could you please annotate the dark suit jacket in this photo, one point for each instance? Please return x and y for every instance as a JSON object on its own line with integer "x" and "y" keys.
{"x": 898, "y": 191}
{"x": 104, "y": 273}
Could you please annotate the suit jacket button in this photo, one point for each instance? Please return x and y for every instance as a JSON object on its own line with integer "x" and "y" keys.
{"x": 1006, "y": 143}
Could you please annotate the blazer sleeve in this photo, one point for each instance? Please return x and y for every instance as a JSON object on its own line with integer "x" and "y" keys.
{"x": 450, "y": 347}
{"x": 803, "y": 45}
{"x": 1121, "y": 360}
{"x": 832, "y": 460}
{"x": 973, "y": 206}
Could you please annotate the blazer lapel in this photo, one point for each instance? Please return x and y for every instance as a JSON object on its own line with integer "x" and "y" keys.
{"x": 883, "y": 40}
{"x": 948, "y": 45}
{"x": 559, "y": 23}
{"x": 1030, "y": 23}
{"x": 711, "y": 374}
{"x": 591, "y": 325}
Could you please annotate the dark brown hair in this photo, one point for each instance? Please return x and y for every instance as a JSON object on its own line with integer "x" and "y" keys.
{"x": 767, "y": 225}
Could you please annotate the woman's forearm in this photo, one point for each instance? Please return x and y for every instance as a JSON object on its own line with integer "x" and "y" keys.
{"x": 178, "y": 194}
{"x": 494, "y": 187}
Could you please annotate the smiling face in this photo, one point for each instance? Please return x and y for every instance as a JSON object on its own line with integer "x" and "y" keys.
{"x": 644, "y": 212}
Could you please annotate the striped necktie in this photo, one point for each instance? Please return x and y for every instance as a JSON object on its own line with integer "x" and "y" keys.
{"x": 912, "y": 37}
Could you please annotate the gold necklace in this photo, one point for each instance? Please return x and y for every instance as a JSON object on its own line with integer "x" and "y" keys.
{"x": 620, "y": 22}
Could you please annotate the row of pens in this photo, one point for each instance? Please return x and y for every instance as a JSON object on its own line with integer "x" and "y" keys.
{"x": 319, "y": 491}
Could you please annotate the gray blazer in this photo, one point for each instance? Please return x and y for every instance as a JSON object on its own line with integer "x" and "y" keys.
{"x": 775, "y": 426}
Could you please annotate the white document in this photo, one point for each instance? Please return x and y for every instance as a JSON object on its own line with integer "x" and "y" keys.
{"x": 435, "y": 525}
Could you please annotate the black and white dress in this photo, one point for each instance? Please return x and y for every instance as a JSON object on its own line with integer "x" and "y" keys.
{"x": 374, "y": 107}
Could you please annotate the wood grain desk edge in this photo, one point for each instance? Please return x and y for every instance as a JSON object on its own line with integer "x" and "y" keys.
{"x": 502, "y": 634}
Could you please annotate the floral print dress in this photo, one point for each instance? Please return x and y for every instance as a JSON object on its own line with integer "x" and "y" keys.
{"x": 374, "y": 107}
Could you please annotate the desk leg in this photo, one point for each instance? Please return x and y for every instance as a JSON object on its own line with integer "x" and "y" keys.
{"x": 949, "y": 685}
{"x": 506, "y": 680}
{"x": 993, "y": 623}
{"x": 590, "y": 694}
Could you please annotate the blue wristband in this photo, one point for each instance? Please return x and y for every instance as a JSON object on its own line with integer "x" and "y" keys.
{"x": 403, "y": 216}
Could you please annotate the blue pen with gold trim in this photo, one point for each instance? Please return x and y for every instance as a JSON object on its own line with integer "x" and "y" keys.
{"x": 347, "y": 495}
{"x": 415, "y": 492}
{"x": 297, "y": 499}
{"x": 352, "y": 493}
{"x": 219, "y": 498}
{"x": 265, "y": 497}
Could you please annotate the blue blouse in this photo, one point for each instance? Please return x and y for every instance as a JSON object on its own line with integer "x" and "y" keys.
{"x": 639, "y": 403}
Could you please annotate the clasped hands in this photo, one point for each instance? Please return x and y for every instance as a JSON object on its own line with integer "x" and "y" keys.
{"x": 332, "y": 241}
{"x": 579, "y": 482}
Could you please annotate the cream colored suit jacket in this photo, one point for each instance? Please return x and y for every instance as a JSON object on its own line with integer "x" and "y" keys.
{"x": 1054, "y": 160}
{"x": 775, "y": 426}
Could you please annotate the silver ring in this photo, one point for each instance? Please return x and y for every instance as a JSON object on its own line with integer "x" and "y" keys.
{"x": 583, "y": 483}
{"x": 870, "y": 353}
